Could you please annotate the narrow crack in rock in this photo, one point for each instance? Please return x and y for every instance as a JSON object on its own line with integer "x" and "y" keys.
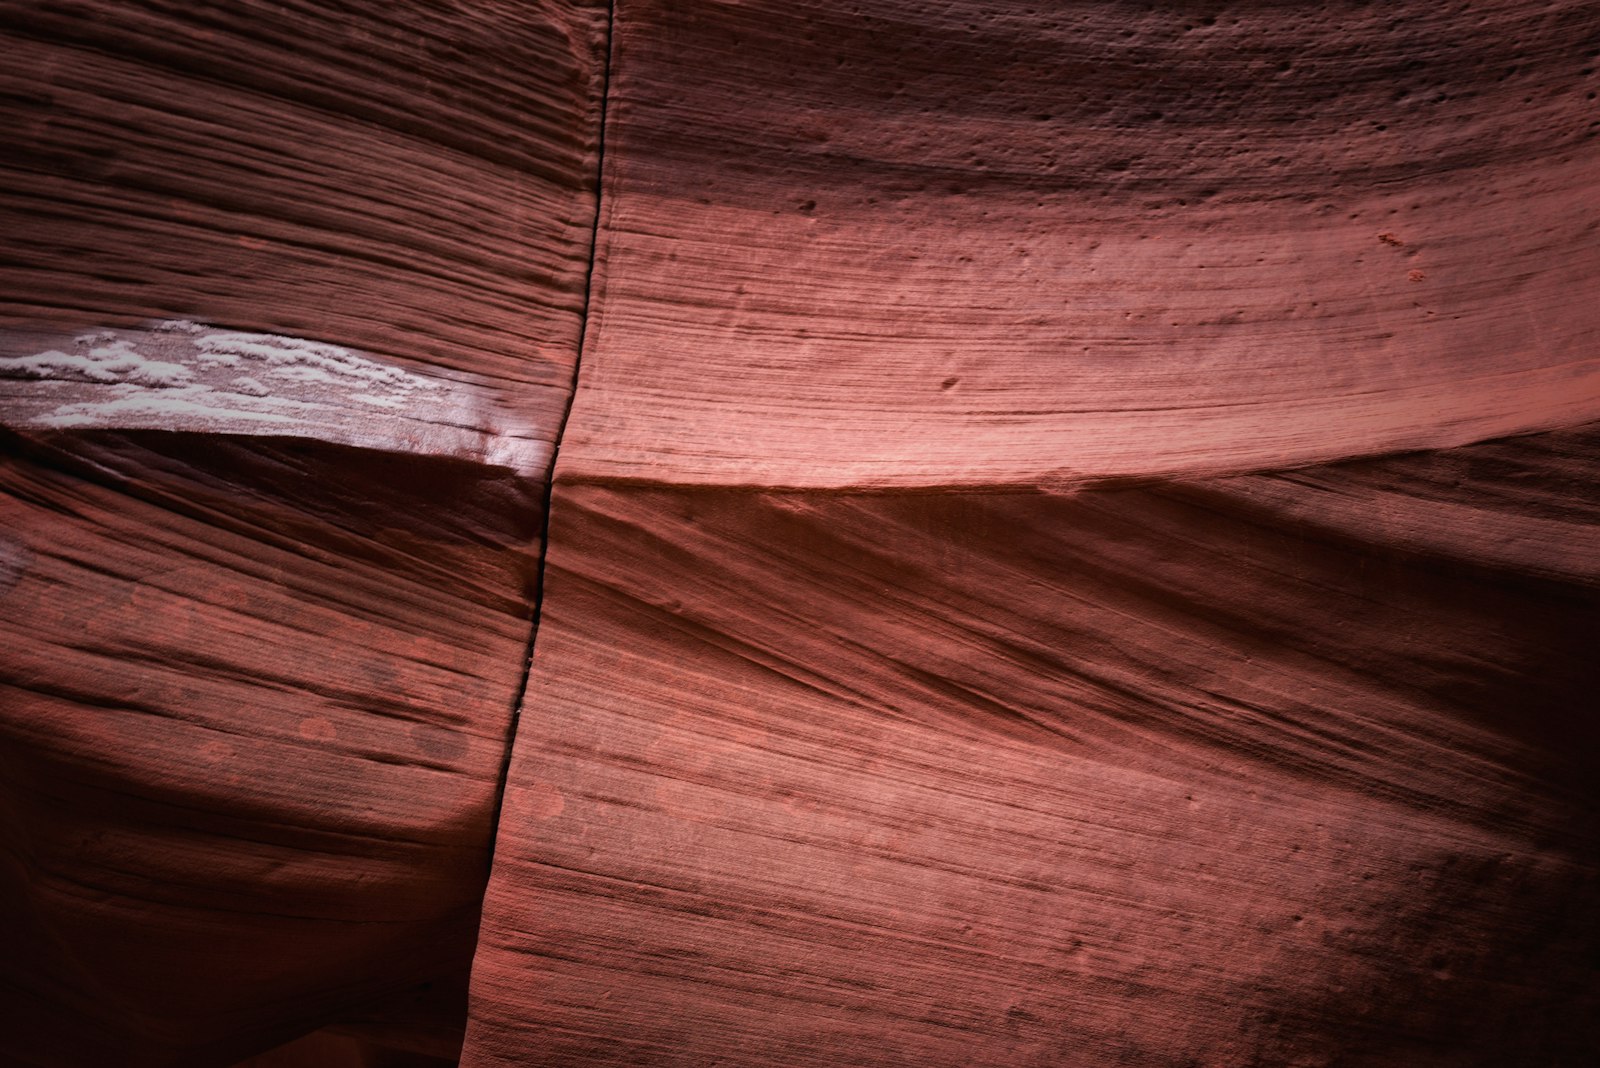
{"x": 520, "y": 697}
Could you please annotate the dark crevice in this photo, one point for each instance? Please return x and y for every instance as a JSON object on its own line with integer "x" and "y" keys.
{"x": 537, "y": 611}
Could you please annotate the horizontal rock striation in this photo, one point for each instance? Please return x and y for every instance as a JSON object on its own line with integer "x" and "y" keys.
{"x": 1217, "y": 772}
{"x": 290, "y": 300}
{"x": 981, "y": 244}
{"x": 415, "y": 182}
{"x": 255, "y": 710}
{"x": 1074, "y": 545}
{"x": 1075, "y": 541}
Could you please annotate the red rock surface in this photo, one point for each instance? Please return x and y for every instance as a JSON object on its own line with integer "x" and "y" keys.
{"x": 1055, "y": 712}
{"x": 255, "y": 711}
{"x": 267, "y": 569}
{"x": 1075, "y": 542}
{"x": 994, "y": 244}
{"x": 1203, "y": 773}
{"x": 411, "y": 180}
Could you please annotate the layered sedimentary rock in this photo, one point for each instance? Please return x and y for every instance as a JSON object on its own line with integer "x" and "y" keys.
{"x": 255, "y": 710}
{"x": 1022, "y": 585}
{"x": 1075, "y": 541}
{"x": 996, "y": 244}
{"x": 291, "y": 306}
{"x": 1202, "y": 773}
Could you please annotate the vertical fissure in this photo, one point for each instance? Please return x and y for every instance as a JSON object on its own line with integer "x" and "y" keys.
{"x": 537, "y": 613}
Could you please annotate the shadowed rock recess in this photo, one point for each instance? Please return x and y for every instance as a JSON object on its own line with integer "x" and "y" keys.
{"x": 1061, "y": 534}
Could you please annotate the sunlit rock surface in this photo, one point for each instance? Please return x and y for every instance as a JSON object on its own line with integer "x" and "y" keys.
{"x": 1075, "y": 541}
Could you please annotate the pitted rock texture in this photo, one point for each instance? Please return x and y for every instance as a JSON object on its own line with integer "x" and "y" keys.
{"x": 1074, "y": 543}
{"x": 981, "y": 244}
{"x": 1030, "y": 580}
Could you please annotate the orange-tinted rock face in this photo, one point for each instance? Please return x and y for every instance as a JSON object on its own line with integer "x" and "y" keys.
{"x": 1075, "y": 540}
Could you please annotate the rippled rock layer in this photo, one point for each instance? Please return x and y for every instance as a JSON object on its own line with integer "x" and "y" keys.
{"x": 1074, "y": 543}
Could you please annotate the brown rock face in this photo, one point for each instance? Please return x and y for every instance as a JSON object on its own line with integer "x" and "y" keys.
{"x": 1075, "y": 541}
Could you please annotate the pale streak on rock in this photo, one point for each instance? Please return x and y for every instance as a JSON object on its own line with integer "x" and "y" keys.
{"x": 181, "y": 376}
{"x": 269, "y": 596}
{"x": 1275, "y": 768}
